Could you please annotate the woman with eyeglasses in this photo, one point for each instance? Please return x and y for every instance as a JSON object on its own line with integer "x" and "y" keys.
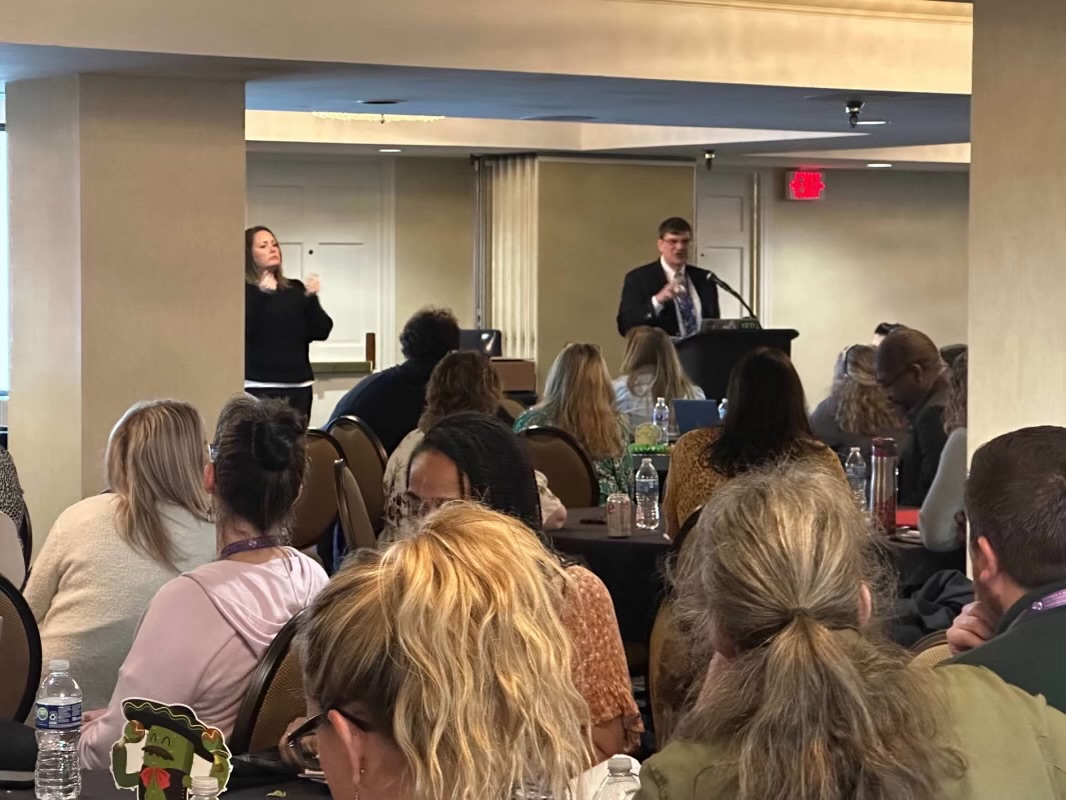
{"x": 857, "y": 410}
{"x": 474, "y": 457}
{"x": 438, "y": 668}
{"x": 579, "y": 399}
{"x": 205, "y": 631}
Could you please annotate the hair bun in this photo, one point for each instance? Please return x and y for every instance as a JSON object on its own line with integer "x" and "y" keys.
{"x": 271, "y": 446}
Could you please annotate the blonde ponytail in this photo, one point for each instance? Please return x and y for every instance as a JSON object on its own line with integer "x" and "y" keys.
{"x": 815, "y": 705}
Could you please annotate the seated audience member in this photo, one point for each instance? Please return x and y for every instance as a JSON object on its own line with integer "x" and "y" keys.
{"x": 108, "y": 555}
{"x": 391, "y": 401}
{"x": 857, "y": 410}
{"x": 579, "y": 400}
{"x": 11, "y": 500}
{"x": 938, "y": 521}
{"x": 767, "y": 422}
{"x": 438, "y": 668}
{"x": 883, "y": 329}
{"x": 910, "y": 370}
{"x": 1016, "y": 507}
{"x": 474, "y": 457}
{"x": 803, "y": 700}
{"x": 204, "y": 633}
{"x": 650, "y": 370}
{"x": 464, "y": 381}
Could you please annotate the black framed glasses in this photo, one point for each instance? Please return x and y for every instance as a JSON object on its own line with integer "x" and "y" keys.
{"x": 303, "y": 742}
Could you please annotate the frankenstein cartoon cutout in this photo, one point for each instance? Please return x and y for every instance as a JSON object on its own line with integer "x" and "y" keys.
{"x": 172, "y": 737}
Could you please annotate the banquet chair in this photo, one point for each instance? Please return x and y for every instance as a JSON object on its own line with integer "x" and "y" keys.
{"x": 565, "y": 464}
{"x": 366, "y": 459}
{"x": 13, "y": 564}
{"x": 930, "y": 650}
{"x": 274, "y": 697}
{"x": 510, "y": 410}
{"x": 26, "y": 536}
{"x": 20, "y": 654}
{"x": 355, "y": 522}
{"x": 315, "y": 511}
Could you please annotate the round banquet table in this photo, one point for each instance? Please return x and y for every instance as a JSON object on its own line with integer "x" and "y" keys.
{"x": 629, "y": 568}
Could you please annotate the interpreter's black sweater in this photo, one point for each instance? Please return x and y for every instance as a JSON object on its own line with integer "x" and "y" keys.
{"x": 278, "y": 327}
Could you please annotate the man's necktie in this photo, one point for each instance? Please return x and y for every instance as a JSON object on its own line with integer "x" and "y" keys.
{"x": 689, "y": 324}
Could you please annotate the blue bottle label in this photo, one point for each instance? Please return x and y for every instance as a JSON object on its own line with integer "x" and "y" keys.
{"x": 58, "y": 717}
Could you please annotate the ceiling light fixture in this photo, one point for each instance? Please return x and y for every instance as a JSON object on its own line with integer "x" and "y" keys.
{"x": 872, "y": 122}
{"x": 879, "y": 165}
{"x": 390, "y": 150}
{"x": 379, "y": 102}
{"x": 341, "y": 116}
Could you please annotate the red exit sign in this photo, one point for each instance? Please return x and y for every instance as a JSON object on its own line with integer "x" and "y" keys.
{"x": 805, "y": 184}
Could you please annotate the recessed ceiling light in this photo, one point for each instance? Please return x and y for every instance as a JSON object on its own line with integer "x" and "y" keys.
{"x": 390, "y": 150}
{"x": 558, "y": 118}
{"x": 879, "y": 165}
{"x": 379, "y": 102}
{"x": 872, "y": 122}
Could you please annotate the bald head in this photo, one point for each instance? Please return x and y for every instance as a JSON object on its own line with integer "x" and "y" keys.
{"x": 908, "y": 364}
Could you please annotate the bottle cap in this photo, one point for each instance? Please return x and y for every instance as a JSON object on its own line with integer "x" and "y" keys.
{"x": 58, "y": 665}
{"x": 204, "y": 784}
{"x": 619, "y": 764}
{"x": 660, "y": 400}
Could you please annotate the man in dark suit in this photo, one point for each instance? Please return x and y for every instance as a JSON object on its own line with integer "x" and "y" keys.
{"x": 1016, "y": 506}
{"x": 669, "y": 293}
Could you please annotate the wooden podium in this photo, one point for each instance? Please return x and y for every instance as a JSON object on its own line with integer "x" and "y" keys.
{"x": 709, "y": 357}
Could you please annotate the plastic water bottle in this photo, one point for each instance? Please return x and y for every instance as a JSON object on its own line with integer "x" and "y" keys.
{"x": 204, "y": 787}
{"x": 660, "y": 416}
{"x": 723, "y": 407}
{"x": 58, "y": 723}
{"x": 647, "y": 495}
{"x": 855, "y": 467}
{"x": 621, "y": 783}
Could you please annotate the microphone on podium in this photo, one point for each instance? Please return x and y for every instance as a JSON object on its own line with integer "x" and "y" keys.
{"x": 719, "y": 282}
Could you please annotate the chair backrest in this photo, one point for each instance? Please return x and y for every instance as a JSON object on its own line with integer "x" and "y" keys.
{"x": 26, "y": 535}
{"x": 510, "y": 409}
{"x": 355, "y": 522}
{"x": 12, "y": 560}
{"x": 366, "y": 459}
{"x": 669, "y": 673}
{"x": 686, "y": 529}
{"x": 931, "y": 649}
{"x": 565, "y": 464}
{"x": 274, "y": 697}
{"x": 316, "y": 508}
{"x": 20, "y": 654}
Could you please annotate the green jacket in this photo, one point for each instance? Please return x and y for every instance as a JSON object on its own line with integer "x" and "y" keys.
{"x": 1014, "y": 745}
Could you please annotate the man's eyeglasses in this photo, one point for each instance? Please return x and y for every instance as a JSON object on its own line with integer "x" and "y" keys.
{"x": 303, "y": 744}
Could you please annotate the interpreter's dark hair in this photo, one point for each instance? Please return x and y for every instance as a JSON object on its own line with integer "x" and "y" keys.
{"x": 260, "y": 456}
{"x": 494, "y": 464}
{"x": 885, "y": 328}
{"x": 463, "y": 381}
{"x": 814, "y": 703}
{"x": 676, "y": 226}
{"x": 251, "y": 272}
{"x": 1016, "y": 499}
{"x": 430, "y": 335}
{"x": 767, "y": 418}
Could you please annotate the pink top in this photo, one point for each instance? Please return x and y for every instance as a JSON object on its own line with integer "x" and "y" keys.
{"x": 199, "y": 640}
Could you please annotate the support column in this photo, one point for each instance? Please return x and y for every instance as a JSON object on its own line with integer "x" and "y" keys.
{"x": 127, "y": 208}
{"x": 1017, "y": 291}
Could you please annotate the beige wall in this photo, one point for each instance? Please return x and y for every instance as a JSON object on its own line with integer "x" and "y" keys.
{"x": 127, "y": 198}
{"x": 434, "y": 237}
{"x": 596, "y": 222}
{"x": 881, "y": 246}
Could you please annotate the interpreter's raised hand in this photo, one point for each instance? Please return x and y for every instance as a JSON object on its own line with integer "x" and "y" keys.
{"x": 313, "y": 284}
{"x": 268, "y": 282}
{"x": 972, "y": 628}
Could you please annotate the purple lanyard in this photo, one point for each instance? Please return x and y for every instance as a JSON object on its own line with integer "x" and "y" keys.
{"x": 1045, "y": 603}
{"x": 243, "y": 546}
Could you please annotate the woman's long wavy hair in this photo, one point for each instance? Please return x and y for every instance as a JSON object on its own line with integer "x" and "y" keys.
{"x": 649, "y": 350}
{"x": 451, "y": 643}
{"x": 156, "y": 456}
{"x": 862, "y": 405}
{"x": 955, "y": 413}
{"x": 463, "y": 381}
{"x": 579, "y": 399}
{"x": 815, "y": 703}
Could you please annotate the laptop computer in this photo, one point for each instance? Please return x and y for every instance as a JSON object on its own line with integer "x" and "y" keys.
{"x": 693, "y": 414}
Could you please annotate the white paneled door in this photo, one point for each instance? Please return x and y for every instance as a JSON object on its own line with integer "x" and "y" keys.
{"x": 723, "y": 233}
{"x": 333, "y": 219}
